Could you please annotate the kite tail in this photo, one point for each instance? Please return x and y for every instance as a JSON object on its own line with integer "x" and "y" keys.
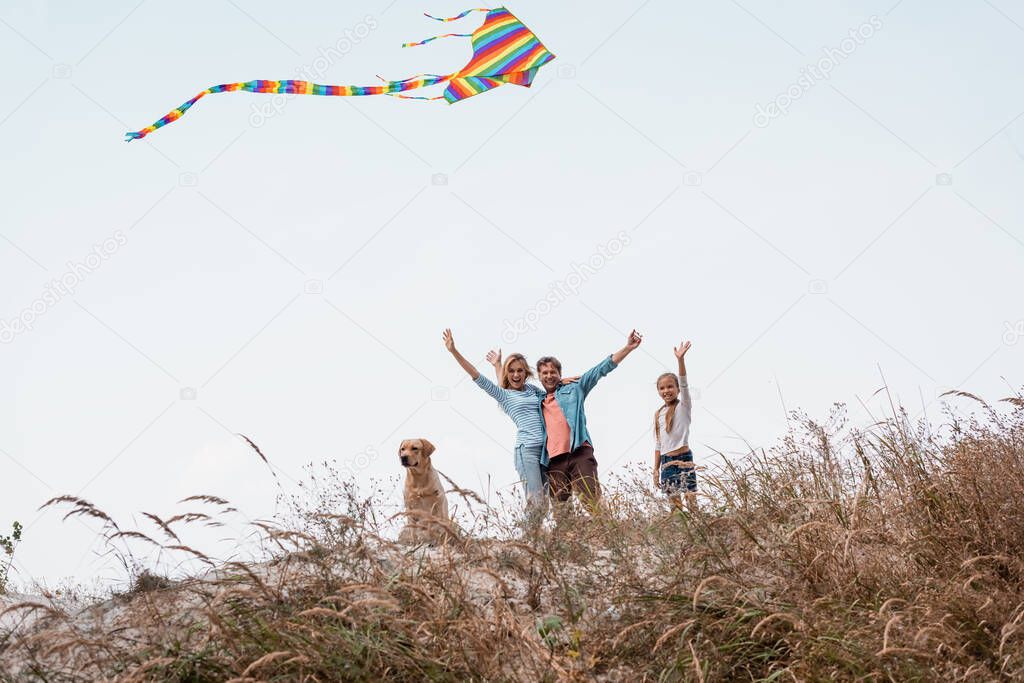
{"x": 172, "y": 116}
{"x": 456, "y": 18}
{"x": 439, "y": 78}
{"x": 296, "y": 88}
{"x": 445, "y": 35}
{"x": 415, "y": 97}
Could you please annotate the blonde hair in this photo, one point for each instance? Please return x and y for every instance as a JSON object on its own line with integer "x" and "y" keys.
{"x": 508, "y": 361}
{"x": 671, "y": 408}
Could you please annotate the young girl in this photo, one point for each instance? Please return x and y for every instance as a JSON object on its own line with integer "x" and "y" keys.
{"x": 673, "y": 459}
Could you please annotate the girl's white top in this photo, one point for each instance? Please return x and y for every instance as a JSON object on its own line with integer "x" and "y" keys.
{"x": 665, "y": 441}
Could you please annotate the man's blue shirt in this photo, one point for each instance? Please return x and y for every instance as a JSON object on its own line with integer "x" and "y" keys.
{"x": 570, "y": 398}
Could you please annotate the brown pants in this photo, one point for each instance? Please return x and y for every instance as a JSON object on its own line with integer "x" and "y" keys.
{"x": 576, "y": 471}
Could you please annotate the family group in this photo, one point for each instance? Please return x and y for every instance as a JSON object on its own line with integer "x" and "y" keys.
{"x": 554, "y": 452}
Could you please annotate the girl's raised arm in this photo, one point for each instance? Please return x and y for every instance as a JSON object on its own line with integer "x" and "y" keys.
{"x": 449, "y": 343}
{"x": 680, "y": 352}
{"x": 684, "y": 385}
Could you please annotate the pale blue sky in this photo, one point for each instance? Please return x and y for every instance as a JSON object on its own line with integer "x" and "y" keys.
{"x": 799, "y": 257}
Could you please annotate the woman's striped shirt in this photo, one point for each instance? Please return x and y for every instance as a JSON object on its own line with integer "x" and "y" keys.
{"x": 522, "y": 406}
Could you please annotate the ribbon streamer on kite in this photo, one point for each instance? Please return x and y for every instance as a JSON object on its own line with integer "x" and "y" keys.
{"x": 504, "y": 51}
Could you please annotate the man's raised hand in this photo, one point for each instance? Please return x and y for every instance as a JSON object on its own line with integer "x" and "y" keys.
{"x": 494, "y": 357}
{"x": 632, "y": 343}
{"x": 634, "y": 340}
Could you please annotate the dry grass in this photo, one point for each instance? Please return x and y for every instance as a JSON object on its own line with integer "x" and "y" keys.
{"x": 891, "y": 554}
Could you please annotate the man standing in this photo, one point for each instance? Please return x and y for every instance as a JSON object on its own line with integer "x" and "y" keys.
{"x": 571, "y": 463}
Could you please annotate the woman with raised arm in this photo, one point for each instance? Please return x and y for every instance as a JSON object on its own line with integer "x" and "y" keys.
{"x": 521, "y": 401}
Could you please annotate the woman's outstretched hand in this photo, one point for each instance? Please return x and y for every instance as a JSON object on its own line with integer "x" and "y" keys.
{"x": 449, "y": 343}
{"x": 571, "y": 380}
{"x": 494, "y": 357}
{"x": 681, "y": 350}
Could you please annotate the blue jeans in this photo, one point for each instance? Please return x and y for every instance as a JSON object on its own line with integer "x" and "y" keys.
{"x": 679, "y": 475}
{"x": 527, "y": 459}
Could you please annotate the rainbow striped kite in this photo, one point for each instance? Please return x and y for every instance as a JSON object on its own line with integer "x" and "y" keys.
{"x": 504, "y": 51}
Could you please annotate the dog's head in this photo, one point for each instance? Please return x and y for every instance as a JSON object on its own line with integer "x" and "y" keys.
{"x": 415, "y": 453}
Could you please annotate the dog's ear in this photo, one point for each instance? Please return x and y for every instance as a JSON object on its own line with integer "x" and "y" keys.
{"x": 427, "y": 447}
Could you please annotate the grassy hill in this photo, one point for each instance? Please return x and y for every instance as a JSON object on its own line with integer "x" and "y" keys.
{"x": 894, "y": 553}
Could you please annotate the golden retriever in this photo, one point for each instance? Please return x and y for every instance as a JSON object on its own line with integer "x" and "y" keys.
{"x": 424, "y": 496}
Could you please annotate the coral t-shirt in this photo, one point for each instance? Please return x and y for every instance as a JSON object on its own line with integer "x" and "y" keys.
{"x": 559, "y": 437}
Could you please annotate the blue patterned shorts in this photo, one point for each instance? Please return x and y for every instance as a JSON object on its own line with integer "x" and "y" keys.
{"x": 675, "y": 478}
